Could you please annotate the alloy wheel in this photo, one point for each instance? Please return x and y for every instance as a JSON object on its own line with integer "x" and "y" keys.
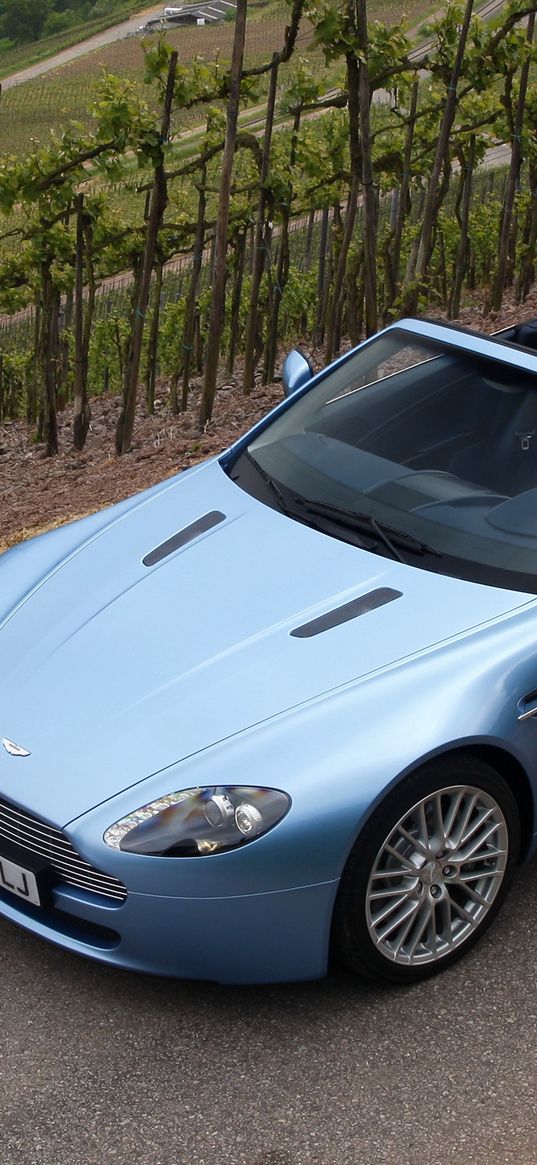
{"x": 436, "y": 875}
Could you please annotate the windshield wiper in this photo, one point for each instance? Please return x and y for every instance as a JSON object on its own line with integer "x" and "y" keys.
{"x": 296, "y": 506}
{"x": 292, "y": 505}
{"x": 284, "y": 505}
{"x": 355, "y": 520}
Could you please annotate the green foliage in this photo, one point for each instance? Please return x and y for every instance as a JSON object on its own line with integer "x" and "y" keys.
{"x": 387, "y": 44}
{"x": 111, "y": 153}
{"x": 58, "y": 22}
{"x": 15, "y": 282}
{"x": 14, "y": 57}
{"x": 299, "y": 304}
{"x": 26, "y": 21}
{"x": 171, "y": 325}
{"x": 305, "y": 87}
{"x": 103, "y": 8}
{"x": 484, "y": 231}
{"x": 23, "y": 20}
{"x": 107, "y": 346}
{"x": 332, "y": 32}
{"x": 14, "y": 375}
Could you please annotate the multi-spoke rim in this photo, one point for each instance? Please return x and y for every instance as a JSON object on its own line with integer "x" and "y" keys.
{"x": 436, "y": 875}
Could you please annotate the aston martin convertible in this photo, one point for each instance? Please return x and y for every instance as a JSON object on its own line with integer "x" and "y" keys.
{"x": 282, "y": 708}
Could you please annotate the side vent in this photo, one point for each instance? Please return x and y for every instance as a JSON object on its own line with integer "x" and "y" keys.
{"x": 200, "y": 526}
{"x": 348, "y": 611}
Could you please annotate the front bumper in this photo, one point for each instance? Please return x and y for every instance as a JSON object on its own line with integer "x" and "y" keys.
{"x": 251, "y": 938}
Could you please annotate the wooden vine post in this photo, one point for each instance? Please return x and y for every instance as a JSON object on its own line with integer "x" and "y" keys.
{"x": 159, "y": 201}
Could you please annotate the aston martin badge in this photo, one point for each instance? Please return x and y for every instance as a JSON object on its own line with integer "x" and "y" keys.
{"x": 14, "y": 749}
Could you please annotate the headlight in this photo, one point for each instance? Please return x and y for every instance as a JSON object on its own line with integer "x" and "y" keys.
{"x": 195, "y": 822}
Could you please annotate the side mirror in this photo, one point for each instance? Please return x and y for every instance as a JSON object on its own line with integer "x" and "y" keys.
{"x": 296, "y": 371}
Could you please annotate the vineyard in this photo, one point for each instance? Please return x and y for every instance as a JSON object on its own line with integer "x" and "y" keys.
{"x": 155, "y": 237}
{"x": 15, "y": 57}
{"x": 30, "y": 112}
{"x": 18, "y": 57}
{"x": 302, "y": 301}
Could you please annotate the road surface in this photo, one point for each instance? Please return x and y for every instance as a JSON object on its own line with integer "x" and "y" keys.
{"x": 118, "y": 32}
{"x": 100, "y": 1066}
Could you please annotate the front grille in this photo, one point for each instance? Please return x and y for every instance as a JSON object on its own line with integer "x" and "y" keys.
{"x": 47, "y": 842}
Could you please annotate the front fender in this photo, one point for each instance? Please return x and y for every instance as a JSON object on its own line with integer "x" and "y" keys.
{"x": 336, "y": 756}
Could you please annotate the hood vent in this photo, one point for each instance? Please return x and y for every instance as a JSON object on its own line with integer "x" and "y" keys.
{"x": 346, "y": 612}
{"x": 200, "y": 526}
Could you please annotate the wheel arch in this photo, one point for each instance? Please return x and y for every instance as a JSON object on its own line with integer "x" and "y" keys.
{"x": 499, "y": 758}
{"x": 489, "y": 766}
{"x": 514, "y": 773}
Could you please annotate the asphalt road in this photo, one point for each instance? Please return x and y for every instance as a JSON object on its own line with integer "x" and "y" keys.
{"x": 100, "y": 1066}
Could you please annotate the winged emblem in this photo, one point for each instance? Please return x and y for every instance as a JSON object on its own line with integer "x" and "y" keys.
{"x": 14, "y": 749}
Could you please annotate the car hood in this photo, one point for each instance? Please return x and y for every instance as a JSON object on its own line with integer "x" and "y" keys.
{"x": 113, "y": 670}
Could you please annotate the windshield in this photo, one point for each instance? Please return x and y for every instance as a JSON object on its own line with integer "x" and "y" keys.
{"x": 429, "y": 443}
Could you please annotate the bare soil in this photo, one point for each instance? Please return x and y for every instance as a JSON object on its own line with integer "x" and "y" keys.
{"x": 39, "y": 492}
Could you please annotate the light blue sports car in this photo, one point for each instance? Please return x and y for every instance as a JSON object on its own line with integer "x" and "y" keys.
{"x": 284, "y": 705}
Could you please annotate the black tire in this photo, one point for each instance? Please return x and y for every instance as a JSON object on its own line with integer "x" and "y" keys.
{"x": 378, "y": 886}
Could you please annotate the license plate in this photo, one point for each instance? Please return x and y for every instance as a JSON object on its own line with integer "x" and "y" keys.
{"x": 19, "y": 881}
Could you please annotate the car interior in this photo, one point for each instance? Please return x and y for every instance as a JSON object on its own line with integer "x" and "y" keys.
{"x": 474, "y": 420}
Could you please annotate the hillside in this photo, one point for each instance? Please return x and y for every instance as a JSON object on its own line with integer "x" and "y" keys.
{"x": 42, "y": 492}
{"x": 105, "y": 21}
{"x": 298, "y": 255}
